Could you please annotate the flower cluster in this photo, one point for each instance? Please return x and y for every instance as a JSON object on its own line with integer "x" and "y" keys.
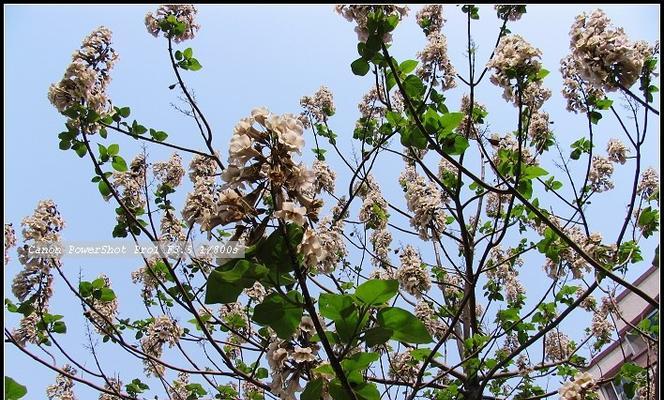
{"x": 182, "y": 13}
{"x": 607, "y": 58}
{"x": 403, "y": 367}
{"x": 323, "y": 248}
{"x": 599, "y": 177}
{"x": 130, "y": 184}
{"x": 162, "y": 330}
{"x": 380, "y": 240}
{"x": 178, "y": 389}
{"x": 430, "y": 18}
{"x": 558, "y": 346}
{"x": 10, "y": 240}
{"x": 324, "y": 176}
{"x": 471, "y": 118}
{"x": 373, "y": 211}
{"x": 371, "y": 105}
{"x": 114, "y": 385}
{"x": 287, "y": 363}
{"x": 510, "y": 12}
{"x": 412, "y": 275}
{"x": 35, "y": 279}
{"x": 256, "y": 292}
{"x": 649, "y": 183}
{"x": 101, "y": 312}
{"x": 578, "y": 388}
{"x": 514, "y": 59}
{"x": 360, "y": 15}
{"x": 501, "y": 270}
{"x": 150, "y": 276}
{"x": 426, "y": 201}
{"x": 318, "y": 107}
{"x": 63, "y": 388}
{"x": 435, "y": 62}
{"x": 539, "y": 131}
{"x": 431, "y": 321}
{"x": 576, "y": 90}
{"x": 170, "y": 173}
{"x": 617, "y": 151}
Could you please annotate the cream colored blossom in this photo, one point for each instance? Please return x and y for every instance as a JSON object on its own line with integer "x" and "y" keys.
{"x": 183, "y": 13}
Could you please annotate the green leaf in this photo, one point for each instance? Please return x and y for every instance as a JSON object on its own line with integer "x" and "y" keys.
{"x": 313, "y": 390}
{"x": 274, "y": 251}
{"x": 360, "y": 67}
{"x": 377, "y": 291}
{"x": 281, "y": 314}
{"x": 59, "y": 327}
{"x": 119, "y": 164}
{"x": 104, "y": 189}
{"x": 107, "y": 294}
{"x": 533, "y": 171}
{"x": 225, "y": 286}
{"x": 377, "y": 336}
{"x": 194, "y": 65}
{"x": 408, "y": 66}
{"x": 405, "y": 326}
{"x": 178, "y": 55}
{"x": 450, "y": 121}
{"x": 188, "y": 52}
{"x": 13, "y": 389}
{"x": 454, "y": 144}
{"x": 594, "y": 117}
{"x": 80, "y": 149}
{"x": 335, "y": 306}
{"x": 414, "y": 87}
{"x": 64, "y": 145}
{"x": 124, "y": 112}
{"x": 359, "y": 362}
{"x": 412, "y": 136}
{"x": 159, "y": 136}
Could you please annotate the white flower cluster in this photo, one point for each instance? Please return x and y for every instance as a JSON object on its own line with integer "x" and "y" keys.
{"x": 502, "y": 271}
{"x": 63, "y": 388}
{"x": 373, "y": 211}
{"x": 510, "y": 12}
{"x": 617, "y": 151}
{"x": 539, "y": 130}
{"x": 589, "y": 303}
{"x": 360, "y": 15}
{"x": 558, "y": 346}
{"x": 607, "y": 58}
{"x": 114, "y": 385}
{"x": 170, "y": 172}
{"x": 251, "y": 391}
{"x": 150, "y": 276}
{"x": 495, "y": 204}
{"x": 371, "y": 105}
{"x": 428, "y": 316}
{"x": 430, "y": 18}
{"x": 412, "y": 275}
{"x": 324, "y": 176}
{"x": 318, "y": 107}
{"x": 426, "y": 201}
{"x": 287, "y": 363}
{"x": 578, "y": 388}
{"x": 599, "y": 177}
{"x": 36, "y": 279}
{"x": 468, "y": 126}
{"x": 514, "y": 59}
{"x": 183, "y": 13}
{"x": 435, "y": 62}
{"x": 323, "y": 248}
{"x": 171, "y": 229}
{"x": 256, "y": 292}
{"x": 649, "y": 182}
{"x": 87, "y": 77}
{"x": 162, "y": 330}
{"x": 576, "y": 89}
{"x": 178, "y": 389}
{"x": 380, "y": 240}
{"x": 131, "y": 184}
{"x": 403, "y": 367}
{"x": 10, "y": 240}
{"x": 102, "y": 313}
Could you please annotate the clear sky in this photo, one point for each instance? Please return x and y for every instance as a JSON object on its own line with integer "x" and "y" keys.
{"x": 251, "y": 56}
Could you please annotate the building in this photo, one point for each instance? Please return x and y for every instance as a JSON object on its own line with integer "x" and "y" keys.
{"x": 629, "y": 346}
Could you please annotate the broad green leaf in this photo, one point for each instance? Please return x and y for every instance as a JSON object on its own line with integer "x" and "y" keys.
{"x": 119, "y": 164}
{"x": 313, "y": 390}
{"x": 377, "y": 291}
{"x": 405, "y": 326}
{"x": 360, "y": 67}
{"x": 225, "y": 286}
{"x": 407, "y": 66}
{"x": 13, "y": 389}
{"x": 274, "y": 251}
{"x": 377, "y": 336}
{"x": 282, "y": 315}
{"x": 359, "y": 361}
{"x": 335, "y": 306}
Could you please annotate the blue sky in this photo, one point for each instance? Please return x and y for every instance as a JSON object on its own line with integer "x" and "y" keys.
{"x": 252, "y": 56}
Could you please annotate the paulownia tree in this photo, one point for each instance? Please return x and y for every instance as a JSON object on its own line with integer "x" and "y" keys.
{"x": 440, "y": 312}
